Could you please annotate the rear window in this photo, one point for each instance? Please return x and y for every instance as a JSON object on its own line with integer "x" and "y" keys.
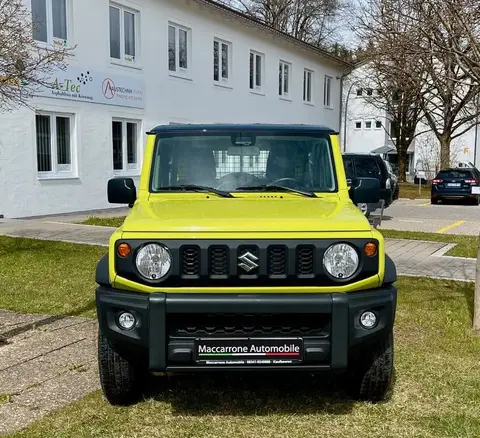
{"x": 455, "y": 174}
{"x": 367, "y": 168}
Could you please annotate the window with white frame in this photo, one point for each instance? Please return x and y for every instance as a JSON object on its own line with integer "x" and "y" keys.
{"x": 54, "y": 134}
{"x": 50, "y": 21}
{"x": 125, "y": 143}
{"x": 378, "y": 124}
{"x": 327, "y": 92}
{"x": 358, "y": 125}
{"x": 221, "y": 61}
{"x": 123, "y": 33}
{"x": 284, "y": 72}
{"x": 256, "y": 71}
{"x": 307, "y": 85}
{"x": 368, "y": 124}
{"x": 178, "y": 49}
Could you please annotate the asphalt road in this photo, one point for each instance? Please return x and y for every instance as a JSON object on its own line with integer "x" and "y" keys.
{"x": 420, "y": 215}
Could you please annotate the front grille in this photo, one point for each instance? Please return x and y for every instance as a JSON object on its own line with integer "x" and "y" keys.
{"x": 190, "y": 261}
{"x": 306, "y": 260}
{"x": 255, "y": 325}
{"x": 277, "y": 260}
{"x": 219, "y": 261}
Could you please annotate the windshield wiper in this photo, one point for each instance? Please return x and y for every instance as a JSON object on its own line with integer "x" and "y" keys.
{"x": 195, "y": 188}
{"x": 274, "y": 187}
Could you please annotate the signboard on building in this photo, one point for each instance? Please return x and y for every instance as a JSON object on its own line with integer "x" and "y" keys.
{"x": 85, "y": 85}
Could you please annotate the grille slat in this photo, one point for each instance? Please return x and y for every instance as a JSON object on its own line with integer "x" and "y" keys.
{"x": 219, "y": 261}
{"x": 275, "y": 325}
{"x": 190, "y": 261}
{"x": 306, "y": 260}
{"x": 277, "y": 261}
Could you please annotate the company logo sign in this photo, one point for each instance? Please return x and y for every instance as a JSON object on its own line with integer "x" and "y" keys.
{"x": 248, "y": 261}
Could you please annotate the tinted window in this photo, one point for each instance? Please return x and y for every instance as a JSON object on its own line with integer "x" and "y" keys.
{"x": 367, "y": 168}
{"x": 348, "y": 164}
{"x": 455, "y": 174}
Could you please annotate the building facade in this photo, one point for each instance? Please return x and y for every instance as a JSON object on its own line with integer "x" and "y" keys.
{"x": 139, "y": 64}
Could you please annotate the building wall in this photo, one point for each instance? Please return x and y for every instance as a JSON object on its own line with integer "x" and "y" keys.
{"x": 193, "y": 98}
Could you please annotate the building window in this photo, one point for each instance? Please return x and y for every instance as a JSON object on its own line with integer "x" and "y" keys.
{"x": 221, "y": 61}
{"x": 359, "y": 91}
{"x": 54, "y": 144}
{"x": 50, "y": 21}
{"x": 394, "y": 131}
{"x": 378, "y": 124}
{"x": 327, "y": 92}
{"x": 123, "y": 34}
{"x": 369, "y": 92}
{"x": 284, "y": 71}
{"x": 368, "y": 124}
{"x": 307, "y": 85}
{"x": 358, "y": 125}
{"x": 125, "y": 146}
{"x": 256, "y": 71}
{"x": 178, "y": 49}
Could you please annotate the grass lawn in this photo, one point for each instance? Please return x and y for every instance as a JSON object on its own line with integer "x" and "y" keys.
{"x": 104, "y": 221}
{"x": 412, "y": 191}
{"x": 467, "y": 246}
{"x": 436, "y": 393}
{"x": 54, "y": 278}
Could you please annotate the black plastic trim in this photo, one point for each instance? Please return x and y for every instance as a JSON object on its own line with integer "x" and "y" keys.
{"x": 390, "y": 276}
{"x": 102, "y": 276}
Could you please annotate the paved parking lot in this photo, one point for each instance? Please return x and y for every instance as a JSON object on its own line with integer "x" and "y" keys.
{"x": 420, "y": 215}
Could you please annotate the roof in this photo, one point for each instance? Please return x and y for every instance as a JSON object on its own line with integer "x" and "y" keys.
{"x": 384, "y": 150}
{"x": 252, "y": 127}
{"x": 241, "y": 15}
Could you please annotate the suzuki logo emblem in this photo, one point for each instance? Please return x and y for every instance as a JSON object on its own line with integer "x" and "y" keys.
{"x": 247, "y": 261}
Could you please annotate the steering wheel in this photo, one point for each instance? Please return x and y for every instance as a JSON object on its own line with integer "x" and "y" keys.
{"x": 237, "y": 179}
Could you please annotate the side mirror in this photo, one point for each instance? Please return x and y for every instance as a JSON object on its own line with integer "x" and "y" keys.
{"x": 365, "y": 190}
{"x": 121, "y": 191}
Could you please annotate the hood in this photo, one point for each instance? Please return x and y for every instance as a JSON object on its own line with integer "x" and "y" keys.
{"x": 287, "y": 214}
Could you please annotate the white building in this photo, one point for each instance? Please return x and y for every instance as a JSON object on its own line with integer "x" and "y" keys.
{"x": 139, "y": 64}
{"x": 367, "y": 129}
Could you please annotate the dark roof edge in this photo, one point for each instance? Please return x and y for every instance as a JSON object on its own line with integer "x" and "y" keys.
{"x": 238, "y": 14}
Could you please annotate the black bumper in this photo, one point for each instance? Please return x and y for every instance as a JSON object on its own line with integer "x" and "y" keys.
{"x": 167, "y": 324}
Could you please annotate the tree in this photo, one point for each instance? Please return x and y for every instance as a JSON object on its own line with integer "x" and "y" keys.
{"x": 448, "y": 95}
{"x": 24, "y": 66}
{"x": 312, "y": 21}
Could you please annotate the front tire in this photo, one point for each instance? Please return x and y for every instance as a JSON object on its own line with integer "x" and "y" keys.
{"x": 120, "y": 377}
{"x": 372, "y": 379}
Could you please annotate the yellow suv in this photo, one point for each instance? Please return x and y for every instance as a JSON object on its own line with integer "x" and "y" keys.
{"x": 244, "y": 250}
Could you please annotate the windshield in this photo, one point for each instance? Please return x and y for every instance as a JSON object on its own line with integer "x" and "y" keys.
{"x": 234, "y": 161}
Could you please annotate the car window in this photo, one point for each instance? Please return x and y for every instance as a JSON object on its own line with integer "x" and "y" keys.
{"x": 349, "y": 170}
{"x": 367, "y": 167}
{"x": 455, "y": 174}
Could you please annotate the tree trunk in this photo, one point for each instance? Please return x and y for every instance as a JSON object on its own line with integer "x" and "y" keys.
{"x": 402, "y": 164}
{"x": 476, "y": 305}
{"x": 445, "y": 150}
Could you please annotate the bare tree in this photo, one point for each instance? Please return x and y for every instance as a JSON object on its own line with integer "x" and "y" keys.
{"x": 312, "y": 21}
{"x": 410, "y": 28}
{"x": 24, "y": 66}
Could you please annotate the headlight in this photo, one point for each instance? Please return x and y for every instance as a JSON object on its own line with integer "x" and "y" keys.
{"x": 340, "y": 261}
{"x": 153, "y": 261}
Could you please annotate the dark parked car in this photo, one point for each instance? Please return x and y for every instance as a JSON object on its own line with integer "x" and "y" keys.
{"x": 456, "y": 184}
{"x": 370, "y": 166}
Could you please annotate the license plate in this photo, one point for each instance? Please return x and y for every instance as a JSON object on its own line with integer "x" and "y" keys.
{"x": 453, "y": 185}
{"x": 249, "y": 351}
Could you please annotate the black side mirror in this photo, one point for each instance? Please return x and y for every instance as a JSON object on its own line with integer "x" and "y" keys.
{"x": 121, "y": 191}
{"x": 365, "y": 190}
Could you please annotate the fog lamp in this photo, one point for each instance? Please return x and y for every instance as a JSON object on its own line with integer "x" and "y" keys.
{"x": 126, "y": 321}
{"x": 368, "y": 319}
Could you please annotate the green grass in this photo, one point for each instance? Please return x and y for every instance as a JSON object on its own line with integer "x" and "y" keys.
{"x": 53, "y": 278}
{"x": 104, "y": 221}
{"x": 466, "y": 246}
{"x": 436, "y": 391}
{"x": 413, "y": 191}
{"x": 5, "y": 398}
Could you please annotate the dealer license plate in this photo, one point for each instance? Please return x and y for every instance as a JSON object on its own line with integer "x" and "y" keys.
{"x": 453, "y": 185}
{"x": 249, "y": 351}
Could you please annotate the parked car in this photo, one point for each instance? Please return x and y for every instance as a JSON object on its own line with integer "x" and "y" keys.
{"x": 394, "y": 178}
{"x": 456, "y": 184}
{"x": 359, "y": 165}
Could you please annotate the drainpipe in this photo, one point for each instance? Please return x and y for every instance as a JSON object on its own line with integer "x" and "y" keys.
{"x": 476, "y": 134}
{"x": 346, "y": 108}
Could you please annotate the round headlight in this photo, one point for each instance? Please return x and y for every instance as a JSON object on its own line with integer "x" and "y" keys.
{"x": 340, "y": 261}
{"x": 153, "y": 261}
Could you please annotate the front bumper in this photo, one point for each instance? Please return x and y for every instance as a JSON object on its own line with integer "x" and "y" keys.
{"x": 168, "y": 324}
